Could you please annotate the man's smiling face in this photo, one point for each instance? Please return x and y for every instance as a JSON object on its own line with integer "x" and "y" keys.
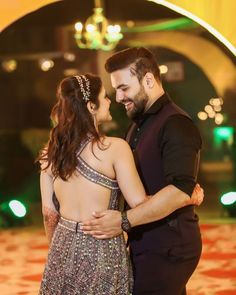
{"x": 129, "y": 91}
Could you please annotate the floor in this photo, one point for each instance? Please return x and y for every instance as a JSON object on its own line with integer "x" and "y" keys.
{"x": 23, "y": 252}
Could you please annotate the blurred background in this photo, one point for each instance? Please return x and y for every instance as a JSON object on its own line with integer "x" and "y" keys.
{"x": 43, "y": 41}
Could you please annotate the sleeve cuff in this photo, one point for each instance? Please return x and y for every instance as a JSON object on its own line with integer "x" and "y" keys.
{"x": 186, "y": 187}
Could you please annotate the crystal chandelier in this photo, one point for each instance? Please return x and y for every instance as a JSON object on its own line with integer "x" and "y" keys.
{"x": 97, "y": 33}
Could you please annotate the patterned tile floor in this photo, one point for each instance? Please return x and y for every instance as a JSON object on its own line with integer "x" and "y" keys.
{"x": 23, "y": 252}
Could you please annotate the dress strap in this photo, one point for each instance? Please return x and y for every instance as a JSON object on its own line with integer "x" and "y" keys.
{"x": 83, "y": 144}
{"x": 90, "y": 173}
{"x": 93, "y": 175}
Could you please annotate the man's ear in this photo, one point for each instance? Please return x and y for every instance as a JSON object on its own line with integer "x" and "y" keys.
{"x": 91, "y": 107}
{"x": 149, "y": 80}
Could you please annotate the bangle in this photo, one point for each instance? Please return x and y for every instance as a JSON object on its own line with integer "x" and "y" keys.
{"x": 125, "y": 224}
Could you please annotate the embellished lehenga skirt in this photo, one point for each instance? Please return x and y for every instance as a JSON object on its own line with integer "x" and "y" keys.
{"x": 79, "y": 264}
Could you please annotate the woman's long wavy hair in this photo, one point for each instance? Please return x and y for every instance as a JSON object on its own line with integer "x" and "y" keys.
{"x": 73, "y": 124}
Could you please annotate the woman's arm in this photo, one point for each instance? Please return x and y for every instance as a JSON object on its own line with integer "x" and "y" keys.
{"x": 132, "y": 187}
{"x": 107, "y": 224}
{"x": 126, "y": 174}
{"x": 50, "y": 214}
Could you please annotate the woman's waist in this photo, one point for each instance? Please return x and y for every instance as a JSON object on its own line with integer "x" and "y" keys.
{"x": 75, "y": 227}
{"x": 76, "y": 215}
{"x": 83, "y": 212}
{"x": 70, "y": 224}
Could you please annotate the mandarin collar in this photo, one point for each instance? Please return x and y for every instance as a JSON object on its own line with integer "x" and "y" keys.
{"x": 154, "y": 108}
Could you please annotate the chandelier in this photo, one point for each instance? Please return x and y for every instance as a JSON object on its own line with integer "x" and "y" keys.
{"x": 96, "y": 32}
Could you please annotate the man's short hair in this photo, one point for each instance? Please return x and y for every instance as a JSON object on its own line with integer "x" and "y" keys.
{"x": 142, "y": 59}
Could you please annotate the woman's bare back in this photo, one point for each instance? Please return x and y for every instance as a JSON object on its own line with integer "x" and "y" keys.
{"x": 79, "y": 197}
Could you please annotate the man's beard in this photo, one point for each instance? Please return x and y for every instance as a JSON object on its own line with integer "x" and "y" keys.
{"x": 139, "y": 103}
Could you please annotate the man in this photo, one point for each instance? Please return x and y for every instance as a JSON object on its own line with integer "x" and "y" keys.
{"x": 165, "y": 241}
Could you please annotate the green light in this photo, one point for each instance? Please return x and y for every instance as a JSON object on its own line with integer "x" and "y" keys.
{"x": 17, "y": 208}
{"x": 228, "y": 198}
{"x": 224, "y": 132}
{"x": 176, "y": 24}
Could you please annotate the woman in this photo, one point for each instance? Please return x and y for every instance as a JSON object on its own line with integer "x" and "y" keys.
{"x": 86, "y": 171}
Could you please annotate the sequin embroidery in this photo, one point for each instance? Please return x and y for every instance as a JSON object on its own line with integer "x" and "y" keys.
{"x": 79, "y": 264}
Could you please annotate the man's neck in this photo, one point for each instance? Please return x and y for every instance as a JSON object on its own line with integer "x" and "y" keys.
{"x": 153, "y": 99}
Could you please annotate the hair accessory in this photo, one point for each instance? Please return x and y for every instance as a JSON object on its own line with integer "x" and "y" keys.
{"x": 85, "y": 90}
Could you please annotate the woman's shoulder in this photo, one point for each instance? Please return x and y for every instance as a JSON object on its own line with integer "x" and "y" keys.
{"x": 116, "y": 141}
{"x": 116, "y": 144}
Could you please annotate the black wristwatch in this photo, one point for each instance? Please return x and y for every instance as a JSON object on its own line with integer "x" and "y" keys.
{"x": 125, "y": 224}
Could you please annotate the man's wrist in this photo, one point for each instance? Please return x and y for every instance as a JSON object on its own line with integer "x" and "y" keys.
{"x": 125, "y": 224}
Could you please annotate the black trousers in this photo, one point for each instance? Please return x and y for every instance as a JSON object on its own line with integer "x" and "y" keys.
{"x": 167, "y": 271}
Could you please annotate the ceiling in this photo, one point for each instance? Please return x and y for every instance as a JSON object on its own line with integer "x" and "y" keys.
{"x": 219, "y": 15}
{"x": 117, "y": 11}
